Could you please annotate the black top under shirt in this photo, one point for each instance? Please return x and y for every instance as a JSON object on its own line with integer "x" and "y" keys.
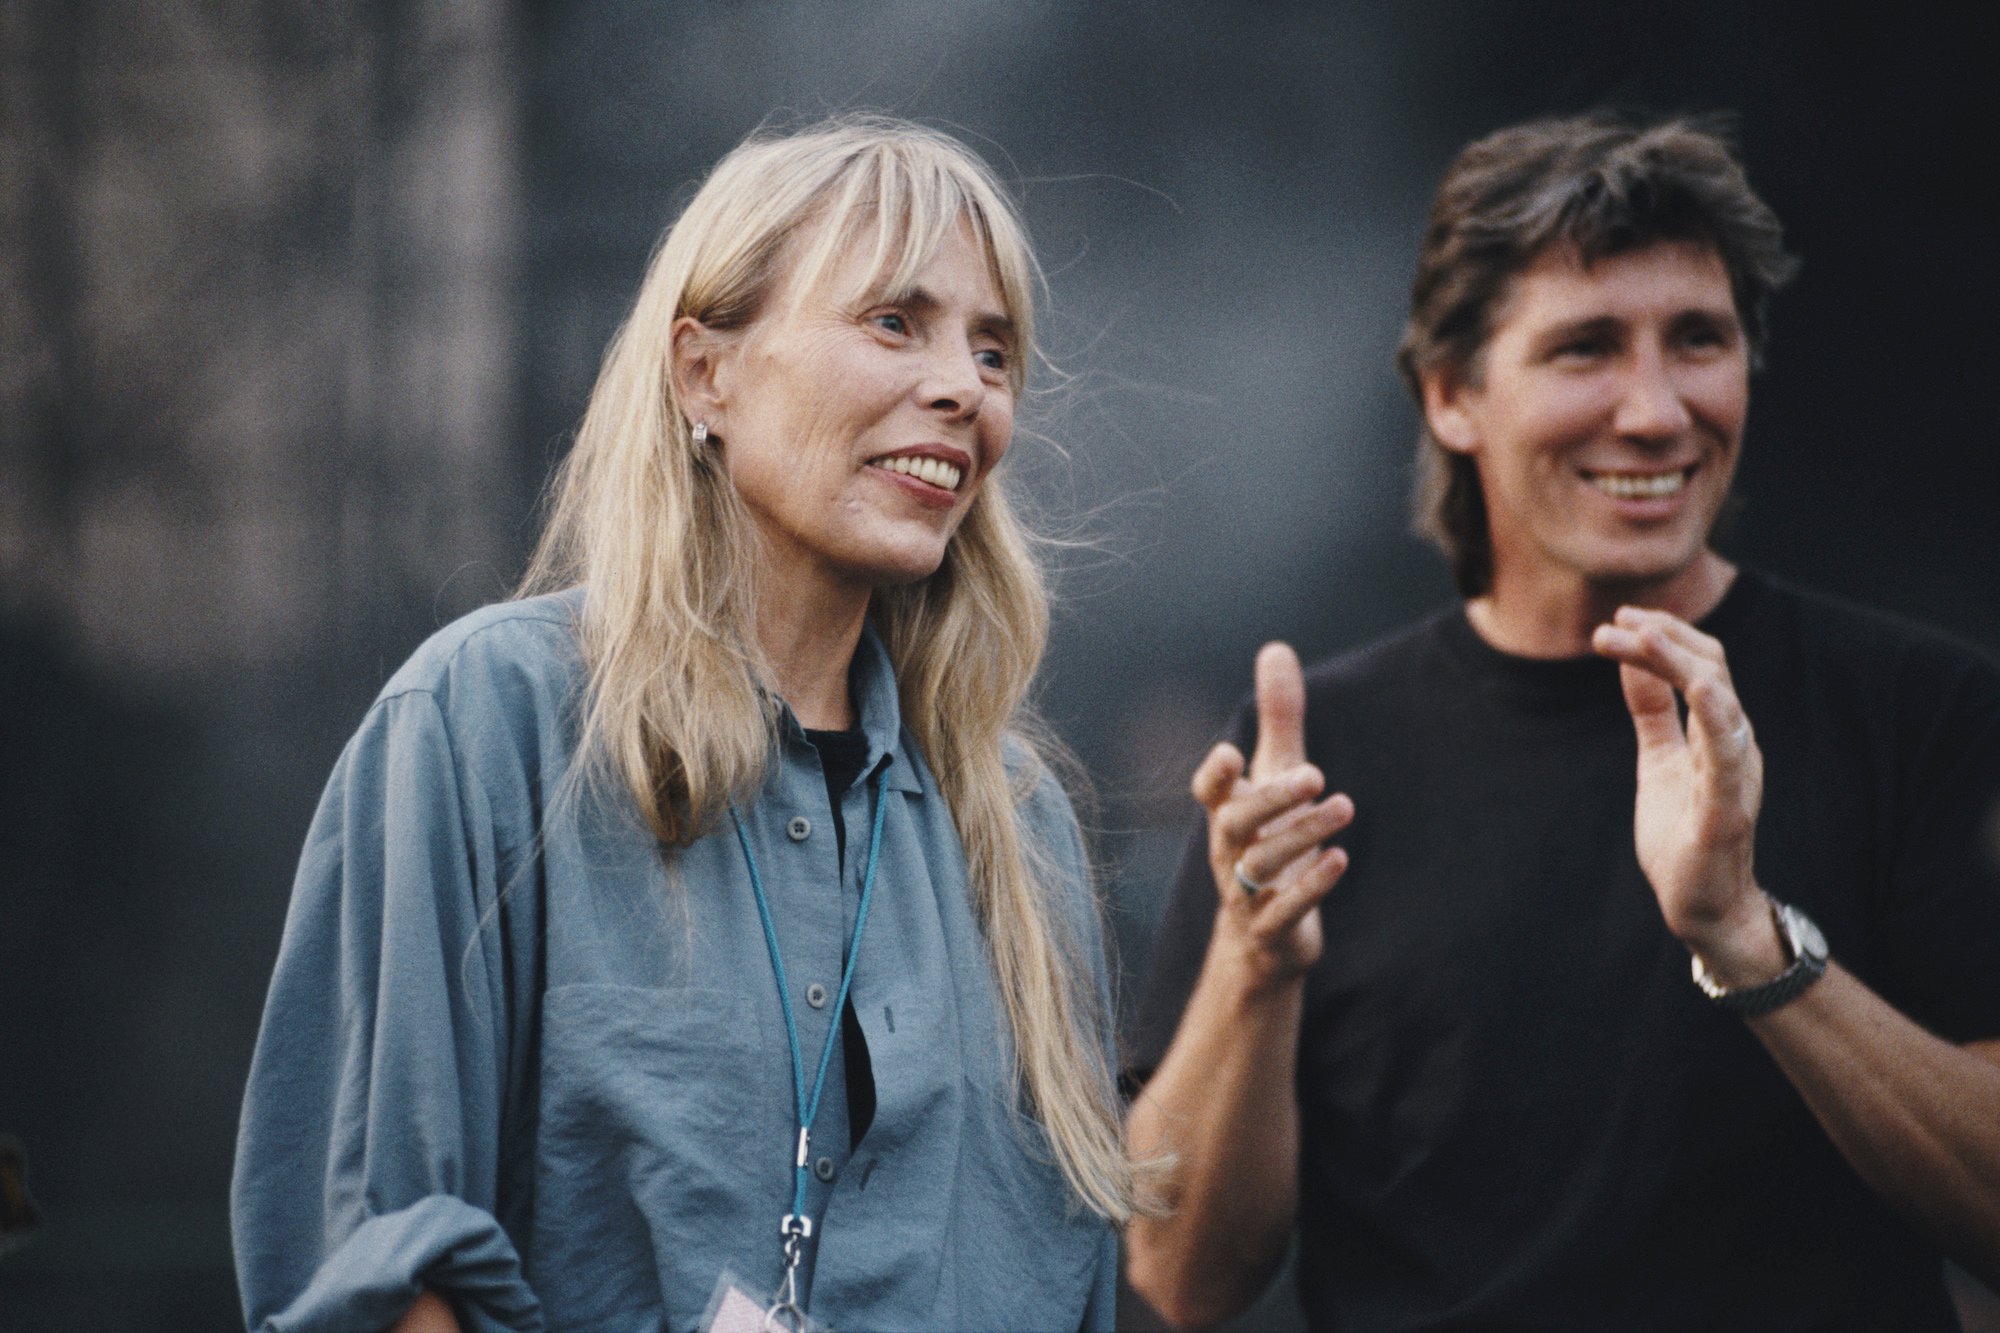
{"x": 842, "y": 754}
{"x": 1518, "y": 1112}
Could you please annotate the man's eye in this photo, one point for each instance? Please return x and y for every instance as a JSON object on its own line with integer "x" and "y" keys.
{"x": 1584, "y": 349}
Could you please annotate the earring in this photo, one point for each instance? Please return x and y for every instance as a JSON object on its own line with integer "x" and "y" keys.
{"x": 700, "y": 434}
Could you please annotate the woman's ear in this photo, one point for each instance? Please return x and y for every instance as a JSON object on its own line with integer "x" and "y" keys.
{"x": 1447, "y": 409}
{"x": 698, "y": 352}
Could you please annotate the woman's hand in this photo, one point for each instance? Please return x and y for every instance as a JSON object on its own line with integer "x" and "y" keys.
{"x": 1265, "y": 829}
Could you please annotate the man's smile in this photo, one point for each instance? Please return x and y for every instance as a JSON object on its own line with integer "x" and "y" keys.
{"x": 1641, "y": 485}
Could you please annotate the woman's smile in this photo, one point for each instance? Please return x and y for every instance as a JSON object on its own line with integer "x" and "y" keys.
{"x": 928, "y": 473}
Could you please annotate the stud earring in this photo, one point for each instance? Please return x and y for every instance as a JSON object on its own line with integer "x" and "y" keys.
{"x": 700, "y": 434}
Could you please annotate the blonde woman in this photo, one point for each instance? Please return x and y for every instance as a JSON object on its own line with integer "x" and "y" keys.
{"x": 693, "y": 939}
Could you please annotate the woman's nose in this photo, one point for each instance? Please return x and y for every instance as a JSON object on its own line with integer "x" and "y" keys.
{"x": 952, "y": 380}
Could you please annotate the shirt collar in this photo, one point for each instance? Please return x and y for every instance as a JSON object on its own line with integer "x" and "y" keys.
{"x": 872, "y": 679}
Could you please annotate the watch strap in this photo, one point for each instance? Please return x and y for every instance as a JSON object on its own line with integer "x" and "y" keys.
{"x": 1807, "y": 948}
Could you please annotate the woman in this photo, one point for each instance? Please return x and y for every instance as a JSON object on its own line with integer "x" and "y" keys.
{"x": 691, "y": 937}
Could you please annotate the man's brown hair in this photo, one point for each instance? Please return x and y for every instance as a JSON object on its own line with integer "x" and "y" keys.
{"x": 1602, "y": 184}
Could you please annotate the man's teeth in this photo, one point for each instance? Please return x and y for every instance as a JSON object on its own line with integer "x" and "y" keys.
{"x": 1640, "y": 485}
{"x": 933, "y": 470}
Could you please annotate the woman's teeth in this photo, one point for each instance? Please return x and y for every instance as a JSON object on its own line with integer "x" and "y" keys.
{"x": 933, "y": 470}
{"x": 1640, "y": 485}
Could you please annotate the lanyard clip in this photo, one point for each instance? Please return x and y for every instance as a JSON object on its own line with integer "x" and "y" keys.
{"x": 786, "y": 1315}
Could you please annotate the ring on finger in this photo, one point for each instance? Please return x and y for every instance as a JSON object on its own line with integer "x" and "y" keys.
{"x": 1247, "y": 884}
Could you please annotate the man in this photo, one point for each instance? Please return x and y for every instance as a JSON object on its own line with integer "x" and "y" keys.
{"x": 1477, "y": 1078}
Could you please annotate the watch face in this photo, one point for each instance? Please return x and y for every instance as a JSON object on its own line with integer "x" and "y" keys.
{"x": 1806, "y": 940}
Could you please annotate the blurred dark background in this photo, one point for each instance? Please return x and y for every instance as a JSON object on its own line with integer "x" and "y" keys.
{"x": 298, "y": 303}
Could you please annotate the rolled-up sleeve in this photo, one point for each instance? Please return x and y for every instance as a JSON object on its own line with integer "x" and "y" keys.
{"x": 367, "y": 1161}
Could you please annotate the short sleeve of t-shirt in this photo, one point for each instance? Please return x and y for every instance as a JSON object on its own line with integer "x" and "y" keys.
{"x": 1937, "y": 913}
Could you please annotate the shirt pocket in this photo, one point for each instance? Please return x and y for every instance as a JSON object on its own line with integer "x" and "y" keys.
{"x": 653, "y": 1128}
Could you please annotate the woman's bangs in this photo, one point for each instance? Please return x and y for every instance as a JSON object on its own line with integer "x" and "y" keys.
{"x": 893, "y": 210}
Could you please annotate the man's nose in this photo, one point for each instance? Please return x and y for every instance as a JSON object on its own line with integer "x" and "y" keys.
{"x": 1651, "y": 406}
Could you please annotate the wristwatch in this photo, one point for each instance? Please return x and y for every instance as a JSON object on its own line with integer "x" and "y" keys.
{"x": 1805, "y": 947}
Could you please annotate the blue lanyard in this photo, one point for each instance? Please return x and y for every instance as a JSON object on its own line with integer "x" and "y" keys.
{"x": 797, "y": 1227}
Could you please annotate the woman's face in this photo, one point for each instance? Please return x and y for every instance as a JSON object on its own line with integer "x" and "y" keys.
{"x": 858, "y": 434}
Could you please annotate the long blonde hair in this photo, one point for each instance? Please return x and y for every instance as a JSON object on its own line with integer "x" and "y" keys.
{"x": 650, "y": 524}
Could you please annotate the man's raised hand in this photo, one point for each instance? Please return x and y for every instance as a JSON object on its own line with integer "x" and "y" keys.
{"x": 1701, "y": 784}
{"x": 1265, "y": 830}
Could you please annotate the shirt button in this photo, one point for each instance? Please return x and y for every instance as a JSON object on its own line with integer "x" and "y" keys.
{"x": 816, "y": 995}
{"x": 823, "y": 1168}
{"x": 799, "y": 829}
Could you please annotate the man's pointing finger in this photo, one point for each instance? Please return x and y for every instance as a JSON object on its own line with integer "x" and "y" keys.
{"x": 1281, "y": 711}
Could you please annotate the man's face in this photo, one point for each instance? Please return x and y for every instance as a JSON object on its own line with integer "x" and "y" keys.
{"x": 1607, "y": 420}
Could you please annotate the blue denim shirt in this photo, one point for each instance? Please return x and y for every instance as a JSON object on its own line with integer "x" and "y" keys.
{"x": 514, "y": 1054}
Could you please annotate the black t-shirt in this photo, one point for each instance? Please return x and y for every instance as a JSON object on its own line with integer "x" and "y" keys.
{"x": 1518, "y": 1111}
{"x": 842, "y": 754}
{"x": 841, "y": 757}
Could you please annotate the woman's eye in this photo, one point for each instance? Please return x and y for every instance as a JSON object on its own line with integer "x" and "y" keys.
{"x": 993, "y": 358}
{"x": 891, "y": 320}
